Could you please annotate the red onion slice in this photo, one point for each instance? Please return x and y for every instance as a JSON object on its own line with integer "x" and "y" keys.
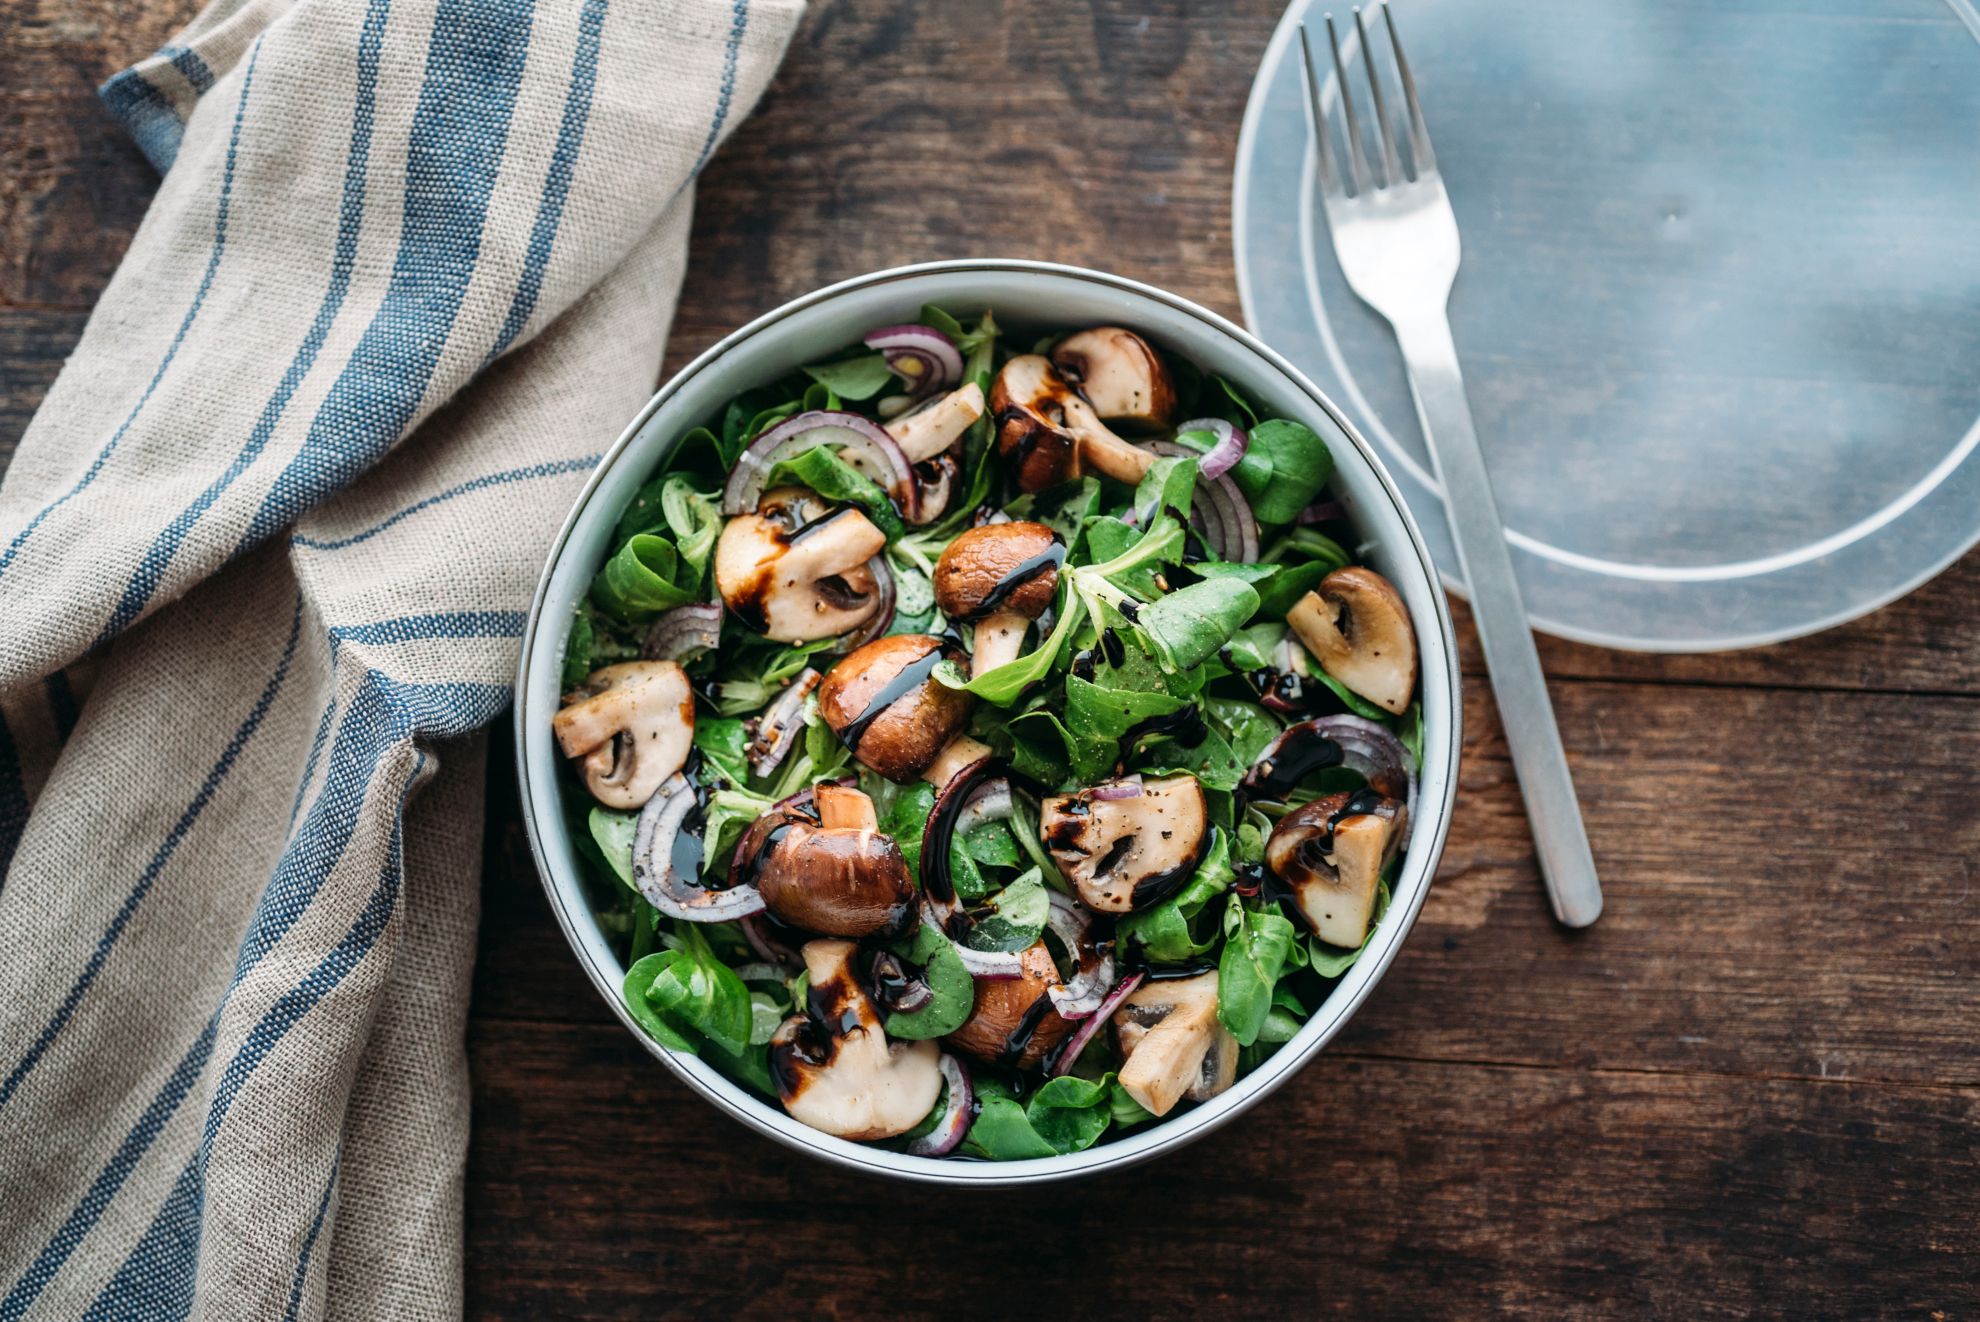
{"x": 1368, "y": 748}
{"x": 1083, "y": 993}
{"x": 957, "y": 1114}
{"x": 1127, "y": 787}
{"x": 981, "y": 780}
{"x": 1219, "y": 512}
{"x": 1323, "y": 511}
{"x": 682, "y": 633}
{"x": 883, "y": 614}
{"x": 777, "y": 729}
{"x": 1062, "y": 1062}
{"x": 657, "y": 863}
{"x": 921, "y": 356}
{"x": 757, "y": 932}
{"x": 1224, "y": 454}
{"x": 865, "y": 443}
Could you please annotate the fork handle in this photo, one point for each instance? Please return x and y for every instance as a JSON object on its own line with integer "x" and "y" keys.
{"x": 1566, "y": 864}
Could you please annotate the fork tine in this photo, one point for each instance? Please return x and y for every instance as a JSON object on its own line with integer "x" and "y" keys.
{"x": 1329, "y": 181}
{"x": 1357, "y": 159}
{"x": 1419, "y": 132}
{"x": 1391, "y": 166}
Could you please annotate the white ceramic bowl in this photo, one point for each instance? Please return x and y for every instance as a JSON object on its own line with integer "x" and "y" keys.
{"x": 1026, "y": 296}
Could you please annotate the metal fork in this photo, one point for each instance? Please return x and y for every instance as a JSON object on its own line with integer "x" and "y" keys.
{"x": 1397, "y": 242}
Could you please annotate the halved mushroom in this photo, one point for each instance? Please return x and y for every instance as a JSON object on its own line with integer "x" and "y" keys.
{"x": 1127, "y": 844}
{"x": 1014, "y": 1022}
{"x": 958, "y": 753}
{"x": 632, "y": 724}
{"x": 841, "y": 877}
{"x": 1357, "y": 627}
{"x": 1050, "y": 433}
{"x": 885, "y": 706}
{"x": 1330, "y": 853}
{"x": 1120, "y": 375}
{"x": 1001, "y": 577}
{"x": 835, "y": 1069}
{"x": 796, "y": 570}
{"x": 927, "y": 431}
{"x": 1174, "y": 1044}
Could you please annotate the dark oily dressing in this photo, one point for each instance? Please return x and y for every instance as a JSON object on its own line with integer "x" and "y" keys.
{"x": 911, "y": 677}
{"x": 831, "y": 1014}
{"x": 1046, "y": 561}
{"x": 1295, "y": 755}
{"x": 1186, "y": 727}
{"x": 1020, "y": 1037}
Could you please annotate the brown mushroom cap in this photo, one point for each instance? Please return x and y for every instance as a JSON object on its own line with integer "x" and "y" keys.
{"x": 1331, "y": 853}
{"x": 1028, "y": 403}
{"x": 1120, "y": 374}
{"x": 1002, "y": 1008}
{"x": 1358, "y": 629}
{"x": 837, "y": 880}
{"x": 999, "y": 567}
{"x": 884, "y": 704}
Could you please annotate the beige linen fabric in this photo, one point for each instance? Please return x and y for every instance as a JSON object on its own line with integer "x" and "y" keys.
{"x": 265, "y": 555}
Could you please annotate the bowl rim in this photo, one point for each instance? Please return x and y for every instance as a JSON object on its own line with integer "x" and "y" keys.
{"x": 1158, "y": 1138}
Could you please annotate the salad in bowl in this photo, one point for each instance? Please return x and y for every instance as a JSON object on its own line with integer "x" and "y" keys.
{"x": 984, "y": 747}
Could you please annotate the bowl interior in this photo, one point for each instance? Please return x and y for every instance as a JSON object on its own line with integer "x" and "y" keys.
{"x": 1023, "y": 295}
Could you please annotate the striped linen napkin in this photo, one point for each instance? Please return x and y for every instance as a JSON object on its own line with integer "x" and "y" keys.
{"x": 247, "y": 636}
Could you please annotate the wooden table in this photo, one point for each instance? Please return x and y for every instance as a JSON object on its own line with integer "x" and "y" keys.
{"x": 1754, "y": 1087}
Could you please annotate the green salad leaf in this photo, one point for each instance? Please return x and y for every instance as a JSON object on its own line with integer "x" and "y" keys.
{"x": 955, "y": 990}
{"x": 857, "y": 378}
{"x": 1256, "y": 946}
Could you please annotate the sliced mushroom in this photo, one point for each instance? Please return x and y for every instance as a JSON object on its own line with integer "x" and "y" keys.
{"x": 1000, "y": 577}
{"x": 1126, "y": 851}
{"x": 927, "y": 431}
{"x": 958, "y": 753}
{"x": 1358, "y": 629}
{"x": 1330, "y": 853}
{"x": 884, "y": 704}
{"x": 1013, "y": 1022}
{"x": 1052, "y": 434}
{"x": 841, "y": 877}
{"x": 1120, "y": 375}
{"x": 1174, "y": 1044}
{"x": 796, "y": 569}
{"x": 632, "y": 725}
{"x": 835, "y": 1069}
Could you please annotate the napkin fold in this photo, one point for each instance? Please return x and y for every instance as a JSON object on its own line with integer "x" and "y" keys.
{"x": 265, "y": 556}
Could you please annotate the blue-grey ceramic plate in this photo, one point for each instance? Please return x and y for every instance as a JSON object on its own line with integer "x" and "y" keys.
{"x": 1719, "y": 310}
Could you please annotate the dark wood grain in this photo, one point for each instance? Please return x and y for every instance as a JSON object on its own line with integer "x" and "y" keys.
{"x": 1751, "y": 1089}
{"x": 603, "y": 1188}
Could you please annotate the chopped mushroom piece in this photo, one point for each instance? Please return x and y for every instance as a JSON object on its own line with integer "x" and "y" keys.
{"x": 1127, "y": 851}
{"x": 1051, "y": 434}
{"x": 1331, "y": 853}
{"x": 835, "y": 1069}
{"x": 927, "y": 431}
{"x": 958, "y": 753}
{"x": 1174, "y": 1044}
{"x": 632, "y": 725}
{"x": 1120, "y": 375}
{"x": 841, "y": 877}
{"x": 1014, "y": 1022}
{"x": 797, "y": 569}
{"x": 884, "y": 704}
{"x": 1357, "y": 627}
{"x": 1000, "y": 577}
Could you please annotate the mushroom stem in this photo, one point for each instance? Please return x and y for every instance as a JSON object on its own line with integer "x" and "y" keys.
{"x": 999, "y": 640}
{"x": 955, "y": 755}
{"x": 1109, "y": 455}
{"x": 841, "y": 807}
{"x": 934, "y": 427}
